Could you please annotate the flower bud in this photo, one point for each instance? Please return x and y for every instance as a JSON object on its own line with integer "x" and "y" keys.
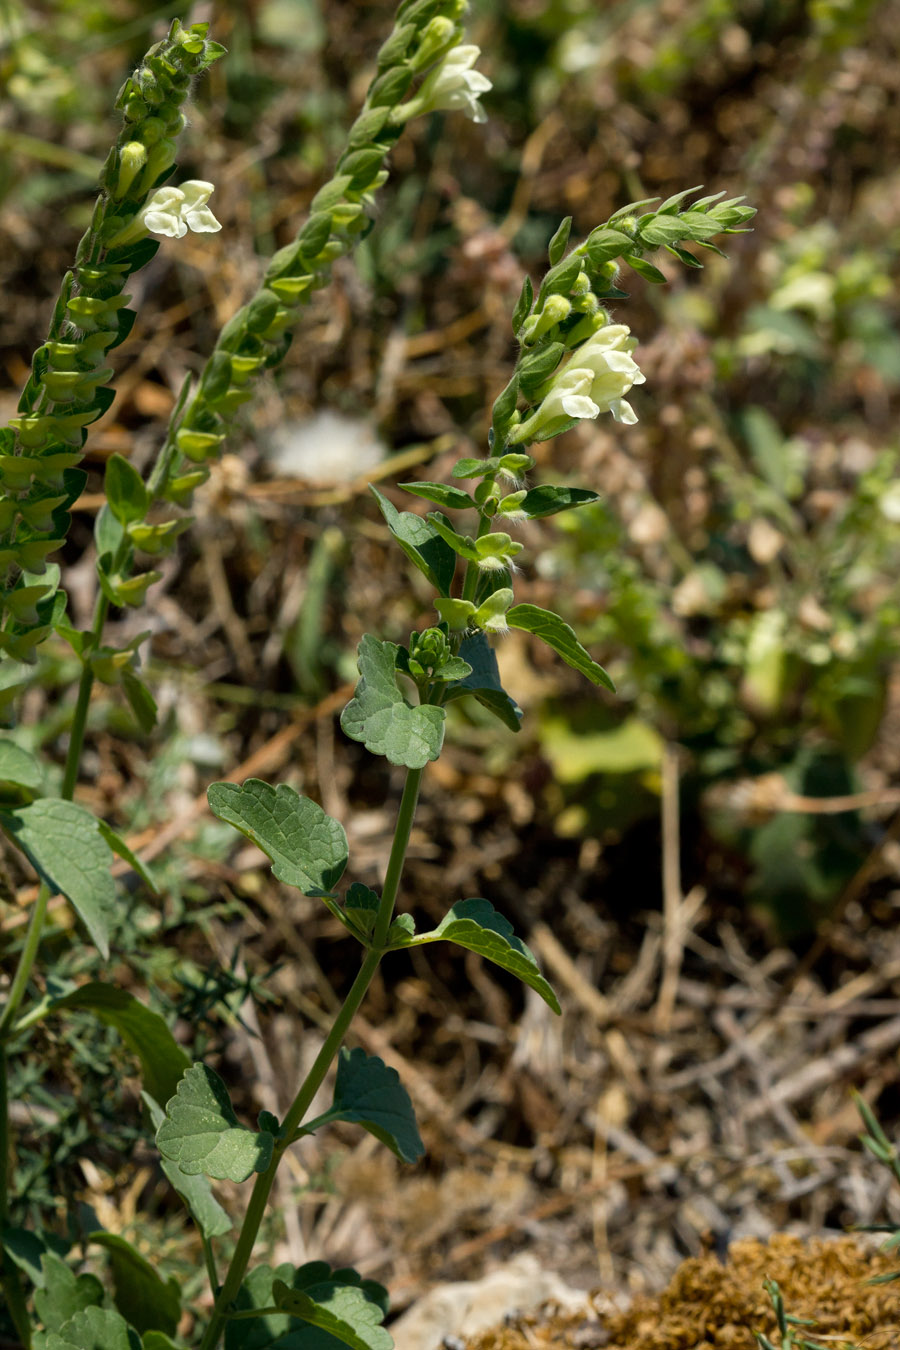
{"x": 132, "y": 159}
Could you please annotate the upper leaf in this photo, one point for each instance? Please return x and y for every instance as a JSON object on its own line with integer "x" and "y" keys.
{"x": 128, "y": 498}
{"x": 475, "y": 924}
{"x": 369, "y": 1093}
{"x": 149, "y": 1303}
{"x": 550, "y": 628}
{"x": 64, "y": 845}
{"x": 443, "y": 494}
{"x": 201, "y": 1132}
{"x": 308, "y": 849}
{"x": 484, "y": 682}
{"x": 547, "y": 500}
{"x": 195, "y": 1191}
{"x": 144, "y": 1032}
{"x": 380, "y": 717}
{"x": 421, "y": 543}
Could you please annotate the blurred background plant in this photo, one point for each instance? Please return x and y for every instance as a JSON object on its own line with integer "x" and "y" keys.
{"x": 739, "y": 578}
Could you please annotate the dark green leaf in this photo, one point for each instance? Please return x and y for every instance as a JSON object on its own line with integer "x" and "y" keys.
{"x": 453, "y": 499}
{"x": 369, "y": 1093}
{"x": 672, "y": 203}
{"x": 140, "y": 700}
{"x": 484, "y": 682}
{"x": 684, "y": 256}
{"x": 663, "y": 230}
{"x": 128, "y": 498}
{"x": 64, "y": 845}
{"x": 119, "y": 847}
{"x": 645, "y": 269}
{"x": 144, "y": 1032}
{"x": 421, "y": 543}
{"x": 345, "y": 1311}
{"x": 561, "y": 278}
{"x": 64, "y": 1293}
{"x": 307, "y": 848}
{"x": 523, "y": 305}
{"x": 504, "y": 407}
{"x": 140, "y": 1295}
{"x": 380, "y": 717}
{"x": 20, "y": 773}
{"x": 550, "y": 628}
{"x": 361, "y": 908}
{"x": 475, "y": 468}
{"x": 195, "y": 1191}
{"x": 462, "y": 544}
{"x": 603, "y": 245}
{"x": 476, "y": 925}
{"x": 201, "y": 1132}
{"x": 547, "y": 501}
{"x": 26, "y": 1250}
{"x": 278, "y": 1331}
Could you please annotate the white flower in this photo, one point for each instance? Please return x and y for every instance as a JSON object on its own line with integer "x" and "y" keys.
{"x": 173, "y": 211}
{"x": 596, "y": 379}
{"x": 454, "y": 85}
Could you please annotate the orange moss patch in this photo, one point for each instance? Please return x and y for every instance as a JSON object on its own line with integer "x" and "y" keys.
{"x": 711, "y": 1306}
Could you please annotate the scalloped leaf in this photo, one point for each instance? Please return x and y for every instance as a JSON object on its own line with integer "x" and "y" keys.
{"x": 64, "y": 1293}
{"x": 380, "y": 717}
{"x": 420, "y": 542}
{"x": 196, "y": 1192}
{"x": 369, "y": 1093}
{"x": 201, "y": 1132}
{"x": 64, "y": 845}
{"x": 344, "y": 1311}
{"x": 476, "y": 925}
{"x": 93, "y": 1329}
{"x": 550, "y": 628}
{"x": 307, "y": 847}
{"x": 278, "y": 1330}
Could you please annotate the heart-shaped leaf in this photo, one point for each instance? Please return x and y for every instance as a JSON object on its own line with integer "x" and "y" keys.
{"x": 343, "y": 1310}
{"x": 369, "y": 1093}
{"x": 93, "y": 1329}
{"x": 476, "y": 925}
{"x": 380, "y": 717}
{"x": 201, "y": 1132}
{"x": 308, "y": 849}
{"x": 64, "y": 1293}
{"x": 64, "y": 845}
{"x": 195, "y": 1191}
{"x": 550, "y": 628}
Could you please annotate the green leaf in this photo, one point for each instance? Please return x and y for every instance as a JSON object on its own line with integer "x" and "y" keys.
{"x": 119, "y": 847}
{"x": 25, "y": 1249}
{"x": 157, "y": 1340}
{"x": 484, "y": 682}
{"x": 361, "y": 908}
{"x": 201, "y": 1132}
{"x": 195, "y": 1191}
{"x": 420, "y": 542}
{"x": 108, "y": 535}
{"x": 343, "y": 1310}
{"x": 307, "y": 848}
{"x": 64, "y": 845}
{"x": 557, "y": 245}
{"x": 462, "y": 544}
{"x": 684, "y": 256}
{"x": 645, "y": 269}
{"x": 128, "y": 498}
{"x": 550, "y": 628}
{"x": 64, "y": 1293}
{"x": 140, "y": 700}
{"x": 149, "y": 1303}
{"x": 547, "y": 501}
{"x": 278, "y": 1331}
{"x": 604, "y": 244}
{"x": 454, "y": 499}
{"x": 369, "y": 1093}
{"x": 163, "y": 1062}
{"x": 20, "y": 773}
{"x": 476, "y": 925}
{"x": 663, "y": 230}
{"x": 93, "y": 1329}
{"x": 380, "y": 717}
{"x": 475, "y": 468}
{"x": 672, "y": 203}
{"x": 523, "y": 305}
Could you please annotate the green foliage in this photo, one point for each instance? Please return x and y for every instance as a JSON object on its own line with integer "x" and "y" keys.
{"x": 380, "y": 717}
{"x": 308, "y": 849}
{"x": 201, "y": 1132}
{"x": 370, "y": 1094}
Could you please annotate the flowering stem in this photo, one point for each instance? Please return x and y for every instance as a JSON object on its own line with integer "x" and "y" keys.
{"x": 325, "y": 1058}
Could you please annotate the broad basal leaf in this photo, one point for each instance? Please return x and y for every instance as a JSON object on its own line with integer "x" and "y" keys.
{"x": 475, "y": 924}
{"x": 380, "y": 717}
{"x": 345, "y": 1310}
{"x": 308, "y": 849}
{"x": 201, "y": 1132}
{"x": 149, "y": 1303}
{"x": 484, "y": 682}
{"x": 94, "y": 1329}
{"x": 421, "y": 543}
{"x": 550, "y": 628}
{"x": 64, "y": 845}
{"x": 369, "y": 1093}
{"x": 195, "y": 1191}
{"x": 64, "y": 1293}
{"x": 144, "y": 1032}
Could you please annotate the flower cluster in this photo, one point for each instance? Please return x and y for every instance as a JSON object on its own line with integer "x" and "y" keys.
{"x": 172, "y": 211}
{"x": 595, "y": 379}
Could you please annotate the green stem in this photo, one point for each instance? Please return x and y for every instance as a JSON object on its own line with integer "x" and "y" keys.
{"x": 325, "y": 1058}
{"x": 79, "y": 718}
{"x": 26, "y": 961}
{"x": 10, "y": 1282}
{"x": 470, "y": 579}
